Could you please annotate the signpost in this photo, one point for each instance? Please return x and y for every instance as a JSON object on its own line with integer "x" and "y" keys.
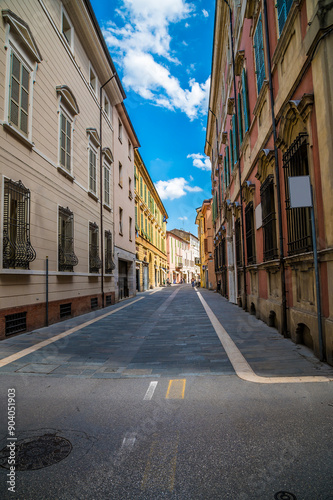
{"x": 300, "y": 190}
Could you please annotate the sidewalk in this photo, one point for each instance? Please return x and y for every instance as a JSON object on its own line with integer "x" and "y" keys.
{"x": 264, "y": 348}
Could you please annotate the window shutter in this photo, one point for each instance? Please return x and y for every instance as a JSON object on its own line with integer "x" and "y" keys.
{"x": 222, "y": 184}
{"x": 245, "y": 101}
{"x": 228, "y": 166}
{"x": 283, "y": 8}
{"x": 234, "y": 141}
{"x": 231, "y": 144}
{"x": 259, "y": 54}
{"x": 225, "y": 169}
{"x": 240, "y": 122}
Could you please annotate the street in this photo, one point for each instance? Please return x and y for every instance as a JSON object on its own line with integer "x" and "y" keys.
{"x": 174, "y": 394}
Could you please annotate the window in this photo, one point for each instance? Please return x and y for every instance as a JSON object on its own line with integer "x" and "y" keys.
{"x": 226, "y": 168}
{"x": 92, "y": 169}
{"x": 95, "y": 262}
{"x": 120, "y": 131}
{"x": 92, "y": 79}
{"x": 66, "y": 256}
{"x": 106, "y": 184}
{"x": 249, "y": 225}
{"x": 142, "y": 228}
{"x": 17, "y": 249}
{"x": 67, "y": 29}
{"x": 145, "y": 194}
{"x": 130, "y": 194}
{"x": 130, "y": 228}
{"x": 268, "y": 218}
{"x": 120, "y": 221}
{"x": 141, "y": 187}
{"x": 65, "y": 141}
{"x": 136, "y": 218}
{"x": 283, "y": 8}
{"x": 120, "y": 178}
{"x": 295, "y": 163}
{"x": 238, "y": 244}
{"x": 19, "y": 94}
{"x": 109, "y": 264}
{"x": 245, "y": 101}
{"x": 129, "y": 150}
{"x": 107, "y": 107}
{"x": 259, "y": 54}
{"x": 240, "y": 121}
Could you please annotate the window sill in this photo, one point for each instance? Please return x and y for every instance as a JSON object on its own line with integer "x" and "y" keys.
{"x": 120, "y": 185}
{"x": 65, "y": 173}
{"x": 92, "y": 195}
{"x": 107, "y": 207}
{"x": 10, "y": 128}
{"x": 261, "y": 98}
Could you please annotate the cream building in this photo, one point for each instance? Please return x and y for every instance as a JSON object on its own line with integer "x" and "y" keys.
{"x": 150, "y": 230}
{"x": 57, "y": 160}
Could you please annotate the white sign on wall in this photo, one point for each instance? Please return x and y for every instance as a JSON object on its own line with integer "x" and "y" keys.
{"x": 300, "y": 191}
{"x": 258, "y": 213}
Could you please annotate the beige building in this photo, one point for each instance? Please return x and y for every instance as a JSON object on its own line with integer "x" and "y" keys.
{"x": 204, "y": 220}
{"x": 57, "y": 160}
{"x": 150, "y": 230}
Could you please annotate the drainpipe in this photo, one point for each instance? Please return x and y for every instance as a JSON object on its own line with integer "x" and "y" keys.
{"x": 101, "y": 184}
{"x": 237, "y": 151}
{"x": 277, "y": 173}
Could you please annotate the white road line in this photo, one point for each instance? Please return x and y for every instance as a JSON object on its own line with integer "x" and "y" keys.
{"x": 150, "y": 392}
{"x": 128, "y": 442}
{"x": 241, "y": 366}
{"x": 36, "y": 347}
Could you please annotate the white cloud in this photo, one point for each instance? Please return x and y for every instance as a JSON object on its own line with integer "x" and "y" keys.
{"x": 140, "y": 40}
{"x": 200, "y": 161}
{"x": 182, "y": 218}
{"x": 205, "y": 13}
{"x": 175, "y": 188}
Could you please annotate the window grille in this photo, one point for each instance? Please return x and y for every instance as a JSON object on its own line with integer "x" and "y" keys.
{"x": 234, "y": 143}
{"x": 108, "y": 300}
{"x": 17, "y": 249}
{"x": 15, "y": 323}
{"x": 95, "y": 262}
{"x": 19, "y": 94}
{"x": 269, "y": 218}
{"x": 295, "y": 163}
{"x": 65, "y": 310}
{"x": 106, "y": 185}
{"x": 66, "y": 256}
{"x": 245, "y": 101}
{"x": 283, "y": 8}
{"x": 109, "y": 264}
{"x": 224, "y": 266}
{"x": 238, "y": 239}
{"x": 240, "y": 122}
{"x": 250, "y": 242}
{"x": 94, "y": 303}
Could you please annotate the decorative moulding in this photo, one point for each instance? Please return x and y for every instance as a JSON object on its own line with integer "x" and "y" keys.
{"x": 239, "y": 62}
{"x": 22, "y": 30}
{"x": 230, "y": 106}
{"x": 68, "y": 99}
{"x": 93, "y": 135}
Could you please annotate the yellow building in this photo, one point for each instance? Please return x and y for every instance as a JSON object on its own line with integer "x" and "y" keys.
{"x": 150, "y": 230}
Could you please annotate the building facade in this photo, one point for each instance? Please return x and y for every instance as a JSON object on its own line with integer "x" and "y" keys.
{"x": 150, "y": 229}
{"x": 190, "y": 255}
{"x": 270, "y": 96}
{"x": 204, "y": 220}
{"x": 57, "y": 161}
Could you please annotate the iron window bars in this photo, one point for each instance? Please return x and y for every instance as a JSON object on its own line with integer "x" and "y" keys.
{"x": 66, "y": 256}
{"x": 269, "y": 218}
{"x": 95, "y": 262}
{"x": 109, "y": 264}
{"x": 238, "y": 242}
{"x": 295, "y": 163}
{"x": 17, "y": 249}
{"x": 249, "y": 225}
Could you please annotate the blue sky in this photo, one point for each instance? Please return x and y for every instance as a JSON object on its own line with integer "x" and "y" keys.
{"x": 162, "y": 50}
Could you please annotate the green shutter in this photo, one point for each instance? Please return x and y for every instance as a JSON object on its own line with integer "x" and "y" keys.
{"x": 234, "y": 141}
{"x": 259, "y": 54}
{"x": 283, "y": 8}
{"x": 222, "y": 184}
{"x": 228, "y": 166}
{"x": 231, "y": 145}
{"x": 245, "y": 101}
{"x": 225, "y": 169}
{"x": 240, "y": 121}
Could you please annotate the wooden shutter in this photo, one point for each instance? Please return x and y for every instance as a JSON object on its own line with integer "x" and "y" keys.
{"x": 245, "y": 101}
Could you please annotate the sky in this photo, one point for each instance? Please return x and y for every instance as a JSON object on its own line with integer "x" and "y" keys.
{"x": 162, "y": 51}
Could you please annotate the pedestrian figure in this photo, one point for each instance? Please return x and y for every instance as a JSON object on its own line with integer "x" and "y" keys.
{"x": 193, "y": 282}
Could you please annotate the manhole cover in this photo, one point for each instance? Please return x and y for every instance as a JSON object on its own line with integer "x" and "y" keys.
{"x": 37, "y": 453}
{"x": 284, "y": 495}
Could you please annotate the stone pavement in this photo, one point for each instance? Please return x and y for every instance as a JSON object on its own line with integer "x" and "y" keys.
{"x": 158, "y": 333}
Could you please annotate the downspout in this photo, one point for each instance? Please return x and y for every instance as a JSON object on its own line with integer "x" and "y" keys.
{"x": 237, "y": 151}
{"x": 101, "y": 184}
{"x": 277, "y": 173}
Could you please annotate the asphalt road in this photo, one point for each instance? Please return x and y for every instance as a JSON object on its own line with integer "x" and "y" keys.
{"x": 141, "y": 401}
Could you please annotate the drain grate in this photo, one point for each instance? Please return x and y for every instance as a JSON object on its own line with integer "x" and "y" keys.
{"x": 284, "y": 495}
{"x": 37, "y": 453}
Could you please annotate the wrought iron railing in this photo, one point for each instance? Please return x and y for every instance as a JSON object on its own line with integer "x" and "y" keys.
{"x": 109, "y": 264}
{"x": 249, "y": 224}
{"x": 95, "y": 262}
{"x": 66, "y": 256}
{"x": 269, "y": 218}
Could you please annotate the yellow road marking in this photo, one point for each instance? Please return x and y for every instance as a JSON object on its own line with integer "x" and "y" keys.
{"x": 160, "y": 470}
{"x": 176, "y": 389}
{"x": 36, "y": 347}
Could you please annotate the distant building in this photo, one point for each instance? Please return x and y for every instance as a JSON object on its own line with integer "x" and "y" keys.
{"x": 150, "y": 230}
{"x": 205, "y": 234}
{"x": 190, "y": 255}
